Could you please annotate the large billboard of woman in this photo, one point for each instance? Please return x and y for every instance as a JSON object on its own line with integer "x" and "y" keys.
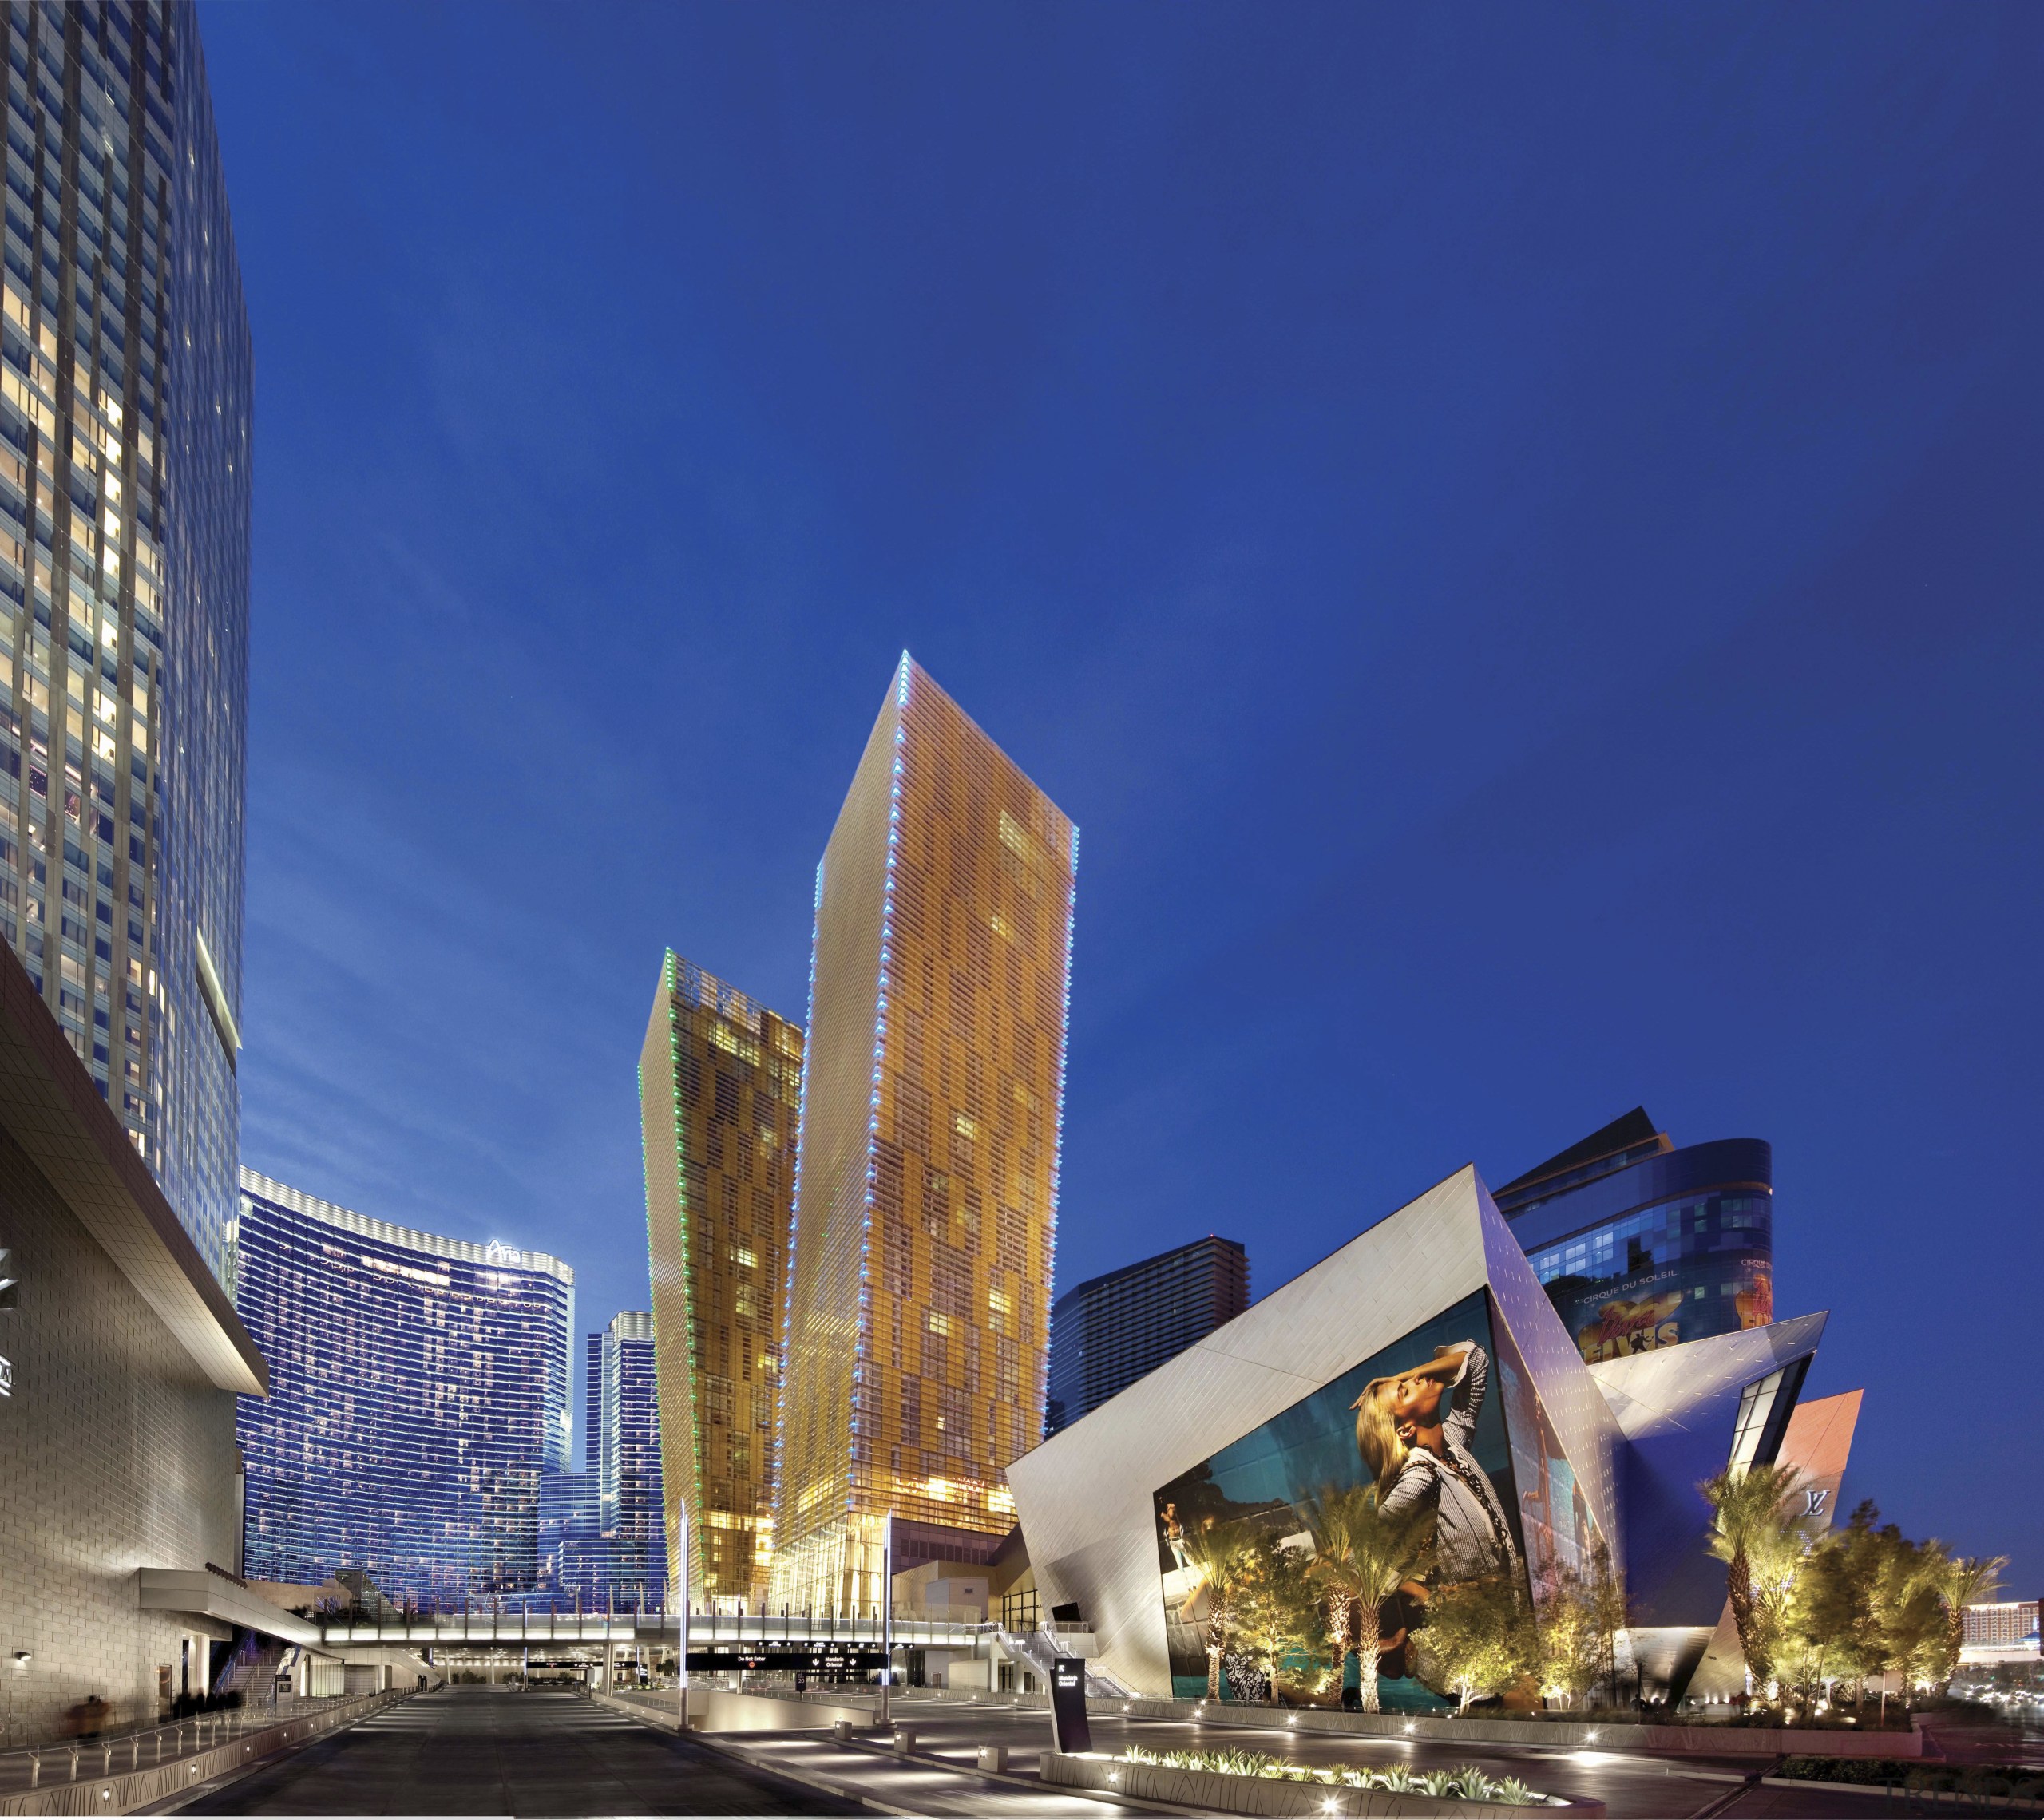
{"x": 1423, "y": 1423}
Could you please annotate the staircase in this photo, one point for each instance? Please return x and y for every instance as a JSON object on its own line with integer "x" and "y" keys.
{"x": 1041, "y": 1648}
{"x": 251, "y": 1670}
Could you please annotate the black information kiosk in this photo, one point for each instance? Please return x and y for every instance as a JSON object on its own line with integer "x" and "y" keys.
{"x": 1069, "y": 1731}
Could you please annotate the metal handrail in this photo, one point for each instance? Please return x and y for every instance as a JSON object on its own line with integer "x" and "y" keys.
{"x": 27, "y": 1765}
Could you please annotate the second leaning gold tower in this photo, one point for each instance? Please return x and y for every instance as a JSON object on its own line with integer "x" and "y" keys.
{"x": 720, "y": 1088}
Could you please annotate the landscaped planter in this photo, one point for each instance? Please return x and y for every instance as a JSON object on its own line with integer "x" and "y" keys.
{"x": 1555, "y": 1734}
{"x": 1279, "y": 1799}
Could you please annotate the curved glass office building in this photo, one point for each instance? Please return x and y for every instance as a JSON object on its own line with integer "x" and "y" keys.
{"x": 1640, "y": 1245}
{"x": 418, "y": 1388}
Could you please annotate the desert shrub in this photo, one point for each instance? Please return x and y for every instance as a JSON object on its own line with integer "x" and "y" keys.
{"x": 1874, "y": 1771}
{"x": 1467, "y": 1783}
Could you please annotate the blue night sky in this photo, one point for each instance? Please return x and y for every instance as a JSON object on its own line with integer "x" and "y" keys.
{"x": 1515, "y": 532}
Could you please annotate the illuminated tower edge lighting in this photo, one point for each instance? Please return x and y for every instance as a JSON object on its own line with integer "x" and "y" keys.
{"x": 925, "y": 1208}
{"x": 719, "y": 1090}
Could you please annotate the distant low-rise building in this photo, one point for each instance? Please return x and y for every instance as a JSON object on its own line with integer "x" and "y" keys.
{"x": 2006, "y": 1630}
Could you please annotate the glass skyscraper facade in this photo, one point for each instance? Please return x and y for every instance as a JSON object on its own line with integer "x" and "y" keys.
{"x": 570, "y": 1531}
{"x": 633, "y": 1519}
{"x": 124, "y": 424}
{"x": 1110, "y": 1330}
{"x": 720, "y": 1092}
{"x": 1641, "y": 1245}
{"x": 418, "y": 1390}
{"x": 926, "y": 1199}
{"x": 603, "y": 1534}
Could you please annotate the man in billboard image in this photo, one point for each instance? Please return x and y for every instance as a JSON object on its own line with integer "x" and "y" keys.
{"x": 1413, "y": 1432}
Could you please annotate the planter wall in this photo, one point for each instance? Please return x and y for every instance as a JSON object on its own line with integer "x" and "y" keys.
{"x": 1266, "y": 1796}
{"x": 1694, "y": 1740}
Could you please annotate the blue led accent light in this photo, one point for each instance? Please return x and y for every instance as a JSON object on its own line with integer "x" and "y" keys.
{"x": 794, "y": 1199}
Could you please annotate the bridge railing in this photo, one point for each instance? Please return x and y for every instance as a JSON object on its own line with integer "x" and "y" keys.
{"x": 705, "y": 1629}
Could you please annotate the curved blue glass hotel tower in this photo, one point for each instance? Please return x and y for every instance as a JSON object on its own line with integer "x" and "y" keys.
{"x": 1640, "y": 1245}
{"x": 418, "y": 1388}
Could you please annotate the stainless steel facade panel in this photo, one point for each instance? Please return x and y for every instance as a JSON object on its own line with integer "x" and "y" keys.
{"x": 1084, "y": 1496}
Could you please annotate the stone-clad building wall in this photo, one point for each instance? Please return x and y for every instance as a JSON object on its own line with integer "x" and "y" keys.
{"x": 116, "y": 1453}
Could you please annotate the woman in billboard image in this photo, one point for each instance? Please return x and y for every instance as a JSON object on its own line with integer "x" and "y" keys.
{"x": 1413, "y": 1431}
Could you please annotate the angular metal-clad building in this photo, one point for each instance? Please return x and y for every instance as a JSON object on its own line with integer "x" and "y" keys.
{"x": 1686, "y": 1415}
{"x": 926, "y": 1202}
{"x": 1425, "y": 1358}
{"x": 720, "y": 1094}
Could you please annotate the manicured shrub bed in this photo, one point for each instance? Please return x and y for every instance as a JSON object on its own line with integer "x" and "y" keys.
{"x": 1467, "y": 1783}
{"x": 1962, "y": 1779}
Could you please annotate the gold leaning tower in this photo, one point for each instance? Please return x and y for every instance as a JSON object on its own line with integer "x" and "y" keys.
{"x": 720, "y": 1095}
{"x": 926, "y": 1197}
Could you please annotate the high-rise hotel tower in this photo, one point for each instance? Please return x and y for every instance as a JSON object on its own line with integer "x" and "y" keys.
{"x": 926, "y": 1204}
{"x": 125, "y": 411}
{"x": 719, "y": 1093}
{"x": 418, "y": 1393}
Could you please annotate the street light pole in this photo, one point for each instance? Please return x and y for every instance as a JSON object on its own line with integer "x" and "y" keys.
{"x": 887, "y": 1620}
{"x": 682, "y": 1663}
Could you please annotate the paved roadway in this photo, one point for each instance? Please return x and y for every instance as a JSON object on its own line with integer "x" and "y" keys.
{"x": 493, "y": 1750}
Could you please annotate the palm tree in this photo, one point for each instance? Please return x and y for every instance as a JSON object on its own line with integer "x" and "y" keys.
{"x": 1360, "y": 1557}
{"x": 1966, "y": 1580}
{"x": 1222, "y": 1557}
{"x": 1756, "y": 1535}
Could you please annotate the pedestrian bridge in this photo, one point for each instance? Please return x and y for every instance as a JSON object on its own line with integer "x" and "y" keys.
{"x": 715, "y": 1633}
